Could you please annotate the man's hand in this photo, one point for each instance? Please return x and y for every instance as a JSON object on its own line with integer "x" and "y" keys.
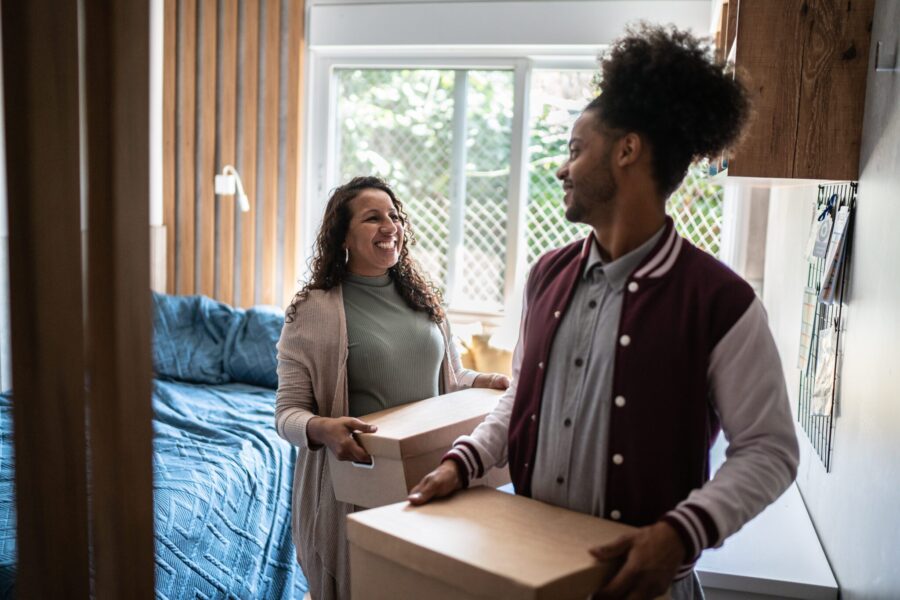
{"x": 337, "y": 435}
{"x": 494, "y": 381}
{"x": 652, "y": 556}
{"x": 443, "y": 481}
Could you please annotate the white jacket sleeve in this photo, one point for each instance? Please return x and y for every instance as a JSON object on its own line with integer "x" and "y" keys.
{"x": 749, "y": 394}
{"x": 487, "y": 446}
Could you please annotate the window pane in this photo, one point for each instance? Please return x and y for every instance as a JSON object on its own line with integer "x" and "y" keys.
{"x": 557, "y": 98}
{"x": 396, "y": 123}
{"x": 488, "y": 136}
{"x": 696, "y": 208}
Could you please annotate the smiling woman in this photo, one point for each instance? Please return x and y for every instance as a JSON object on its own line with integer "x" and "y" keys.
{"x": 367, "y": 333}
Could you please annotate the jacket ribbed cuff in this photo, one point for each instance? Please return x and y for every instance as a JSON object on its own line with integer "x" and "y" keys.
{"x": 696, "y": 529}
{"x": 460, "y": 467}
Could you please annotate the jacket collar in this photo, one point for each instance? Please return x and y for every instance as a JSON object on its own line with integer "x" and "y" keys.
{"x": 658, "y": 261}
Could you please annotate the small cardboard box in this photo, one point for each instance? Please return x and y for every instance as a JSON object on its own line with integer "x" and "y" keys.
{"x": 409, "y": 443}
{"x": 480, "y": 543}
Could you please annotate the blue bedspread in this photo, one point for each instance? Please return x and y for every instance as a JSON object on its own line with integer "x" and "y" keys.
{"x": 222, "y": 491}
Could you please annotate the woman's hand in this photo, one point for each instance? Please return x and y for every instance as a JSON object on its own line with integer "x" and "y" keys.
{"x": 443, "y": 481}
{"x": 494, "y": 381}
{"x": 337, "y": 435}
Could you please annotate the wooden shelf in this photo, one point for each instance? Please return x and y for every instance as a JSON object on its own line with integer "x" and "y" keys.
{"x": 806, "y": 65}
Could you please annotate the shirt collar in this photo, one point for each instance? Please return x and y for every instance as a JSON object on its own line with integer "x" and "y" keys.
{"x": 618, "y": 271}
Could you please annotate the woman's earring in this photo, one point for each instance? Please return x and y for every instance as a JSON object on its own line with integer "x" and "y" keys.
{"x": 346, "y": 255}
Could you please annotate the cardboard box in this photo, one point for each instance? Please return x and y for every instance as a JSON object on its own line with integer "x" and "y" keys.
{"x": 480, "y": 543}
{"x": 409, "y": 443}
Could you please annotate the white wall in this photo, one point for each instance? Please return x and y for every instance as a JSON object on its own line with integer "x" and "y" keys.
{"x": 856, "y": 507}
{"x": 558, "y": 22}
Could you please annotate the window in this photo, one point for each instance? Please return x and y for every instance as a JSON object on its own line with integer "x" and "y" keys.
{"x": 473, "y": 151}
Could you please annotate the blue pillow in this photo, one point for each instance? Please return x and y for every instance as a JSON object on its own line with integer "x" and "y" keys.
{"x": 190, "y": 335}
{"x": 251, "y": 357}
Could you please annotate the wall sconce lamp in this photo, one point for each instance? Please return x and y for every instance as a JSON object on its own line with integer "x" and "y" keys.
{"x": 228, "y": 182}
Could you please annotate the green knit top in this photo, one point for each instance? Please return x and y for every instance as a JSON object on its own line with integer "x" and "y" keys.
{"x": 395, "y": 351}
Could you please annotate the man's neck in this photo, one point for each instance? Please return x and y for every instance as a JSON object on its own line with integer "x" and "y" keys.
{"x": 619, "y": 231}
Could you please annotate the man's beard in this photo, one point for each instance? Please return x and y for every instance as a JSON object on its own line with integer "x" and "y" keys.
{"x": 599, "y": 194}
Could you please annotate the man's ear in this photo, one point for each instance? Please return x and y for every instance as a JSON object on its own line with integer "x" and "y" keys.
{"x": 629, "y": 148}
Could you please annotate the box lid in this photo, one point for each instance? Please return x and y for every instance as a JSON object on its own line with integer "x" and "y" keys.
{"x": 415, "y": 428}
{"x": 499, "y": 544}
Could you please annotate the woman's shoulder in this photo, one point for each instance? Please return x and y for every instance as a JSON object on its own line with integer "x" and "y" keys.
{"x": 314, "y": 310}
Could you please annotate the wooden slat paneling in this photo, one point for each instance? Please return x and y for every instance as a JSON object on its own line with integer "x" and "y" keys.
{"x": 207, "y": 226}
{"x": 187, "y": 98}
{"x": 732, "y": 25}
{"x": 250, "y": 96}
{"x": 170, "y": 70}
{"x": 40, "y": 62}
{"x": 117, "y": 89}
{"x": 269, "y": 241}
{"x": 292, "y": 152}
{"x": 227, "y": 95}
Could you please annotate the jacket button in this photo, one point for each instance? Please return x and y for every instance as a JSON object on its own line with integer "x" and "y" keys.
{"x": 618, "y": 459}
{"x": 620, "y": 401}
{"x": 526, "y": 466}
{"x": 534, "y": 416}
{"x": 625, "y": 340}
{"x": 567, "y": 422}
{"x": 541, "y": 365}
{"x": 579, "y": 362}
{"x": 615, "y": 515}
{"x": 556, "y": 314}
{"x": 633, "y": 286}
{"x": 560, "y": 480}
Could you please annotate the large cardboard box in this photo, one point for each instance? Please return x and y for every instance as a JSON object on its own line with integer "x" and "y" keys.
{"x": 409, "y": 443}
{"x": 480, "y": 543}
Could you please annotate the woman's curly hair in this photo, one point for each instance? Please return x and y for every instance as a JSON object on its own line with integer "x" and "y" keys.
{"x": 329, "y": 267}
{"x": 664, "y": 84}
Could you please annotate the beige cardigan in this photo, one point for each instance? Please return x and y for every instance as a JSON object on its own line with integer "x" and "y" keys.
{"x": 312, "y": 380}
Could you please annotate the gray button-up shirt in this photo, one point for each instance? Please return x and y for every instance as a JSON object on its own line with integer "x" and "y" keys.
{"x": 571, "y": 461}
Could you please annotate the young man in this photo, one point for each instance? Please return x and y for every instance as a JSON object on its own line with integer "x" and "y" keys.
{"x": 635, "y": 346}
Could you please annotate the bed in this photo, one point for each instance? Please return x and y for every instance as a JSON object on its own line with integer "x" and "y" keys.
{"x": 221, "y": 475}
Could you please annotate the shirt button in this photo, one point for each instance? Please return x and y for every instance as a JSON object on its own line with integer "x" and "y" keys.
{"x": 633, "y": 286}
{"x": 578, "y": 362}
{"x": 592, "y": 304}
{"x": 618, "y": 459}
{"x": 534, "y": 417}
{"x": 556, "y": 314}
{"x": 620, "y": 401}
{"x": 615, "y": 515}
{"x": 541, "y": 365}
{"x": 624, "y": 340}
{"x": 567, "y": 422}
{"x": 560, "y": 480}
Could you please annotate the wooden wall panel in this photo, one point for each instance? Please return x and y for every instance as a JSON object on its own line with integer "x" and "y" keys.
{"x": 250, "y": 100}
{"x": 269, "y": 198}
{"x": 235, "y": 100}
{"x": 170, "y": 72}
{"x": 292, "y": 153}
{"x": 117, "y": 90}
{"x": 206, "y": 230}
{"x": 40, "y": 62}
{"x": 227, "y": 124}
{"x": 186, "y": 151}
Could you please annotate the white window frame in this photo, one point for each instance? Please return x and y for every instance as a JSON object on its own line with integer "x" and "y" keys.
{"x": 321, "y": 166}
